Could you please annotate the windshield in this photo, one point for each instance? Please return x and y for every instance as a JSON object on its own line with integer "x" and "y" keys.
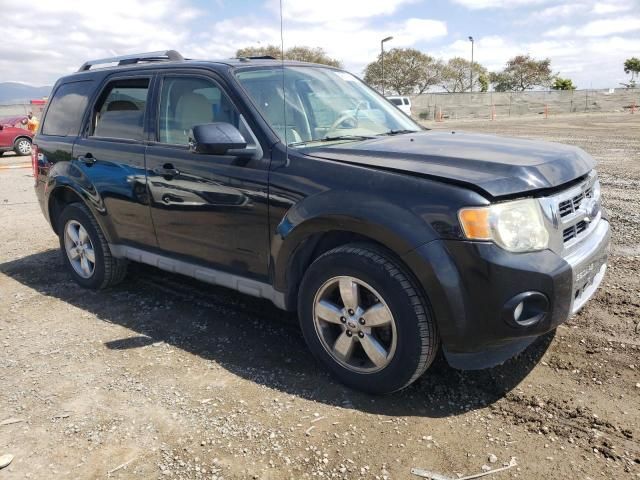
{"x": 321, "y": 105}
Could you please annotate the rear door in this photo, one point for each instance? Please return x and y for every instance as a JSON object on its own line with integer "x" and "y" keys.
{"x": 210, "y": 208}
{"x": 111, "y": 154}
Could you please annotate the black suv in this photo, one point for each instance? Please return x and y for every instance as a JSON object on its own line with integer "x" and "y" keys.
{"x": 298, "y": 183}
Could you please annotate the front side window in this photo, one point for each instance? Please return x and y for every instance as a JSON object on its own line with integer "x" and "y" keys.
{"x": 396, "y": 101}
{"x": 119, "y": 113}
{"x": 189, "y": 101}
{"x": 305, "y": 105}
{"x": 66, "y": 109}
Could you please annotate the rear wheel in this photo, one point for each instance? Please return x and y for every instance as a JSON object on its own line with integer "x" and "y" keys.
{"x": 22, "y": 146}
{"x": 364, "y": 318}
{"x": 85, "y": 250}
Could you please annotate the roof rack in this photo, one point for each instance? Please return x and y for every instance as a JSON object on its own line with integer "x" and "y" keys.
{"x": 168, "y": 55}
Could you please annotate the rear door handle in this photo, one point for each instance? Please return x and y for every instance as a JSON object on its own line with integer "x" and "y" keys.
{"x": 87, "y": 159}
{"x": 167, "y": 170}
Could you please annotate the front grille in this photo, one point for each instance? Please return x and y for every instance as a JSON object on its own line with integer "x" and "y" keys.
{"x": 571, "y": 215}
{"x": 574, "y": 231}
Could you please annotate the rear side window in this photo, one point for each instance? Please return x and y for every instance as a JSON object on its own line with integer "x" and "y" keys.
{"x": 406, "y": 101}
{"x": 119, "y": 112}
{"x": 66, "y": 109}
{"x": 396, "y": 101}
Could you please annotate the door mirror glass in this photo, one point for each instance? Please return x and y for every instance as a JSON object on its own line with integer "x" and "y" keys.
{"x": 218, "y": 138}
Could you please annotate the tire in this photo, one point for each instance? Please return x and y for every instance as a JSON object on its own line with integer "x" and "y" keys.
{"x": 22, "y": 146}
{"x": 104, "y": 269}
{"x": 384, "y": 292}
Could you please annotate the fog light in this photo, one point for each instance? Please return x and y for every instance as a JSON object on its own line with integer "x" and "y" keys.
{"x": 526, "y": 309}
{"x": 518, "y": 311}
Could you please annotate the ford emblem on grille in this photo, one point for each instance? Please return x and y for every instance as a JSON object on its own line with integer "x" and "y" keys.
{"x": 590, "y": 209}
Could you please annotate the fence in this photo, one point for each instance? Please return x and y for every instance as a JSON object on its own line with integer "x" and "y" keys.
{"x": 435, "y": 106}
{"x": 20, "y": 109}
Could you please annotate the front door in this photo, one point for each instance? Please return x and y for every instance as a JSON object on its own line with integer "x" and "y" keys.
{"x": 208, "y": 208}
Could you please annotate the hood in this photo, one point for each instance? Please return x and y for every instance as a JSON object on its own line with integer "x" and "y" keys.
{"x": 498, "y": 165}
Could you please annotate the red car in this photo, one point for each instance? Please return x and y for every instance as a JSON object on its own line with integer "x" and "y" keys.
{"x": 15, "y": 138}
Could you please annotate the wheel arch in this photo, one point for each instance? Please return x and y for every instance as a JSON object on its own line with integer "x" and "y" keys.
{"x": 20, "y": 137}
{"x": 297, "y": 250}
{"x": 64, "y": 193}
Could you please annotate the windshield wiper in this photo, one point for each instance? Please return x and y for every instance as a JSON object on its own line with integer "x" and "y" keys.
{"x": 399, "y": 132}
{"x": 333, "y": 139}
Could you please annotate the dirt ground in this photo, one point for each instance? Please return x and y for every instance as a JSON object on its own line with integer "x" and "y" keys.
{"x": 164, "y": 377}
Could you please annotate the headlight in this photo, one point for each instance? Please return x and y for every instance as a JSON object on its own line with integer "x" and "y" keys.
{"x": 516, "y": 226}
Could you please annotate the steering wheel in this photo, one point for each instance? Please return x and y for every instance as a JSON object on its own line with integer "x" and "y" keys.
{"x": 341, "y": 119}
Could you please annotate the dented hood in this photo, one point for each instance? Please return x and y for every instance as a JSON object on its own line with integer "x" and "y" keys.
{"x": 498, "y": 165}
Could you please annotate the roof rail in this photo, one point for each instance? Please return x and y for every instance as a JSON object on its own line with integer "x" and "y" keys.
{"x": 168, "y": 55}
{"x": 257, "y": 57}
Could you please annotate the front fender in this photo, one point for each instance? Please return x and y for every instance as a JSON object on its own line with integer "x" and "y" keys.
{"x": 397, "y": 228}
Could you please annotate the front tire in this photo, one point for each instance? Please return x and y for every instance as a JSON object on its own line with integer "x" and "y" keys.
{"x": 365, "y": 319}
{"x": 22, "y": 146}
{"x": 85, "y": 251}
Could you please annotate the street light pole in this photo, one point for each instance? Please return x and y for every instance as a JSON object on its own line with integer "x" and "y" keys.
{"x": 382, "y": 58}
{"x": 471, "y": 68}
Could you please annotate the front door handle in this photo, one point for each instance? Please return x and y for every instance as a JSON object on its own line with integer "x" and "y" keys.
{"x": 167, "y": 170}
{"x": 87, "y": 159}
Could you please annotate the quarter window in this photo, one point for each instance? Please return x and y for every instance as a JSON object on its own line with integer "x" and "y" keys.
{"x": 66, "y": 109}
{"x": 189, "y": 101}
{"x": 120, "y": 110}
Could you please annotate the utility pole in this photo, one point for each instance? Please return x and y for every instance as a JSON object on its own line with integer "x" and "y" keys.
{"x": 471, "y": 68}
{"x": 382, "y": 58}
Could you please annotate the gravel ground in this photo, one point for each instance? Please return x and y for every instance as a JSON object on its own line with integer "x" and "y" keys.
{"x": 164, "y": 377}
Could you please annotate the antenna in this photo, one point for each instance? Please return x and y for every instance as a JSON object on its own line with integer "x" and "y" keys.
{"x": 284, "y": 90}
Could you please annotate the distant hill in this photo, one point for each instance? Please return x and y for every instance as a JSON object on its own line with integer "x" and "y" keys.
{"x": 13, "y": 92}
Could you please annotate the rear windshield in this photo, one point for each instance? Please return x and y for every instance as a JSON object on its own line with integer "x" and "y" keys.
{"x": 66, "y": 109}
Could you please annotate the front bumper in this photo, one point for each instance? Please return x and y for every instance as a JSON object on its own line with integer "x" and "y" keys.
{"x": 470, "y": 284}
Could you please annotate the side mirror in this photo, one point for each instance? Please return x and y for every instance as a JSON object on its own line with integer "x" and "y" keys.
{"x": 1, "y": 127}
{"x": 217, "y": 138}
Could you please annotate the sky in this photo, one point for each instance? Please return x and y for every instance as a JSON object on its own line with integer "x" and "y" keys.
{"x": 586, "y": 40}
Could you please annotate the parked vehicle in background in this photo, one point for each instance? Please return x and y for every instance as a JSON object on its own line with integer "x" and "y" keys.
{"x": 298, "y": 183}
{"x": 403, "y": 103}
{"x": 13, "y": 137}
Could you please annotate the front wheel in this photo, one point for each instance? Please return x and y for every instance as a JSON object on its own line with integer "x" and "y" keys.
{"x": 364, "y": 318}
{"x": 22, "y": 146}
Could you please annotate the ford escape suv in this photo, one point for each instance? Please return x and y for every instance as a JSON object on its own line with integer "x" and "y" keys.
{"x": 297, "y": 183}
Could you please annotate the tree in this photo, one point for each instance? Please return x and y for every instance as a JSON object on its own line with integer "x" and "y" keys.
{"x": 483, "y": 80}
{"x": 455, "y": 75}
{"x": 301, "y": 54}
{"x": 563, "y": 84}
{"x": 632, "y": 66}
{"x": 521, "y": 73}
{"x": 406, "y": 71}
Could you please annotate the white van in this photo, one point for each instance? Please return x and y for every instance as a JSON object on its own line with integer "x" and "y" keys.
{"x": 403, "y": 103}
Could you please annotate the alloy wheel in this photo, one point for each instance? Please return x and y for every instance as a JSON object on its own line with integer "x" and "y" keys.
{"x": 79, "y": 249}
{"x": 354, "y": 324}
{"x": 24, "y": 147}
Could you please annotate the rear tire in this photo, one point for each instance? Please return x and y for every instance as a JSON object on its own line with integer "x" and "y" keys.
{"x": 377, "y": 336}
{"x": 85, "y": 251}
{"x": 22, "y": 146}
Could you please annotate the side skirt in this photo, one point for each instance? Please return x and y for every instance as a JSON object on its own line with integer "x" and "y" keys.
{"x": 209, "y": 275}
